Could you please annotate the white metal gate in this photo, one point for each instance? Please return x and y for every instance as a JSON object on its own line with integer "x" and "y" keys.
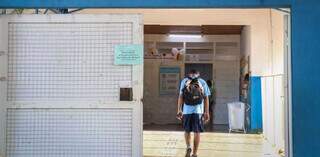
{"x": 60, "y": 89}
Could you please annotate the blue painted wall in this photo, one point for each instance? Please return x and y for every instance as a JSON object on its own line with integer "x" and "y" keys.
{"x": 142, "y": 3}
{"x": 256, "y": 104}
{"x": 306, "y": 77}
{"x": 305, "y": 53}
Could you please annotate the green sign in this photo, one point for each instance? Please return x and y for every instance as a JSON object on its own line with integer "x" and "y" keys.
{"x": 128, "y": 54}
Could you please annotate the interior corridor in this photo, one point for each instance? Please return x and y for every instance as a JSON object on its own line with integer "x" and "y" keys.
{"x": 171, "y": 143}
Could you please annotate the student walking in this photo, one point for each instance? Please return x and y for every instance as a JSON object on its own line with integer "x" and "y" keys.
{"x": 193, "y": 109}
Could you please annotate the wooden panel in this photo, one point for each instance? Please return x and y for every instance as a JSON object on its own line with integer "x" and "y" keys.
{"x": 204, "y": 29}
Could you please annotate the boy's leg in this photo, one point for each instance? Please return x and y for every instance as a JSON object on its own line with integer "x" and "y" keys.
{"x": 199, "y": 127}
{"x": 196, "y": 142}
{"x": 187, "y": 137}
{"x": 187, "y": 134}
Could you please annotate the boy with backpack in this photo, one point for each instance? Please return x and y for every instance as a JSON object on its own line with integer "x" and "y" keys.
{"x": 193, "y": 108}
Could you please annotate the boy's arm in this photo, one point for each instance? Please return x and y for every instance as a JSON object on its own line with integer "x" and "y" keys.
{"x": 206, "y": 109}
{"x": 179, "y": 108}
{"x": 206, "y": 104}
{"x": 180, "y": 98}
{"x": 180, "y": 102}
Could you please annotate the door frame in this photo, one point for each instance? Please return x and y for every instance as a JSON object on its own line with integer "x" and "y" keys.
{"x": 288, "y": 85}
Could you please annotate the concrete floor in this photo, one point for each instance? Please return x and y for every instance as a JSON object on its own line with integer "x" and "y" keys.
{"x": 178, "y": 127}
{"x": 171, "y": 144}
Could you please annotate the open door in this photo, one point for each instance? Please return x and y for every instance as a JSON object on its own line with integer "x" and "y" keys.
{"x": 60, "y": 87}
{"x": 276, "y": 86}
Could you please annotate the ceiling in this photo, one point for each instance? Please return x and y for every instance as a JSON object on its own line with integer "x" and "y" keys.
{"x": 203, "y": 29}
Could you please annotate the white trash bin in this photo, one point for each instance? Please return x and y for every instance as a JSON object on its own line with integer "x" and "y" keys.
{"x": 236, "y": 114}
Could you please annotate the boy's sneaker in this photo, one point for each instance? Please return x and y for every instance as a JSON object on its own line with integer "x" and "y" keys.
{"x": 194, "y": 156}
{"x": 188, "y": 152}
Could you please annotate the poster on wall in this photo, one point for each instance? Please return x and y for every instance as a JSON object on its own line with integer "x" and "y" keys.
{"x": 169, "y": 80}
{"x": 131, "y": 54}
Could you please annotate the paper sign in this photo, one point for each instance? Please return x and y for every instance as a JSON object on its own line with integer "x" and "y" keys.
{"x": 128, "y": 54}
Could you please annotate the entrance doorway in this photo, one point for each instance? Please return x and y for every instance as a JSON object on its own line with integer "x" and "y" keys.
{"x": 241, "y": 64}
{"x": 247, "y": 50}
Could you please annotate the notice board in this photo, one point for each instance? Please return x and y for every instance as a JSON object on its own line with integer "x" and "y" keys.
{"x": 169, "y": 80}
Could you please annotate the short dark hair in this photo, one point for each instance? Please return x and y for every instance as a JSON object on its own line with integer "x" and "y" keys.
{"x": 193, "y": 71}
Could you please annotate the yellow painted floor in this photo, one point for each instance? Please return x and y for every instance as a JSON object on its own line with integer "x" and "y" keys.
{"x": 171, "y": 144}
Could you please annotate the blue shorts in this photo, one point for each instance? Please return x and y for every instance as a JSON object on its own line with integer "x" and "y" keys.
{"x": 193, "y": 123}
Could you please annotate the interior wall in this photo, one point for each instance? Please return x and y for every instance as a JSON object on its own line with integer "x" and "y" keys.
{"x": 158, "y": 109}
{"x": 227, "y": 87}
{"x": 273, "y": 84}
{"x": 271, "y": 63}
{"x": 161, "y": 109}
